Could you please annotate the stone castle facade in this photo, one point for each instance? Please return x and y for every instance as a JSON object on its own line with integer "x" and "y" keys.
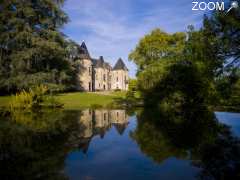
{"x": 98, "y": 75}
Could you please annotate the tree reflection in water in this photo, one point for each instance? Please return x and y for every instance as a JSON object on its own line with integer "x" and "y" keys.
{"x": 36, "y": 145}
{"x": 33, "y": 145}
{"x": 192, "y": 133}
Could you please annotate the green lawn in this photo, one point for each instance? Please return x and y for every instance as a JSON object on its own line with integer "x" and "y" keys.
{"x": 4, "y": 100}
{"x": 80, "y": 100}
{"x": 84, "y": 100}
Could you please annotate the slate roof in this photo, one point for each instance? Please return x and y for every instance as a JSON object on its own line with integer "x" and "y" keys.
{"x": 120, "y": 65}
{"x": 84, "y": 51}
{"x": 99, "y": 63}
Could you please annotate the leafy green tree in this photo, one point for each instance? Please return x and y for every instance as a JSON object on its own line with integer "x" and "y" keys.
{"x": 156, "y": 46}
{"x": 175, "y": 85}
{"x": 178, "y": 71}
{"x": 228, "y": 88}
{"x": 226, "y": 27}
{"x": 224, "y": 32}
{"x": 32, "y": 49}
{"x": 202, "y": 49}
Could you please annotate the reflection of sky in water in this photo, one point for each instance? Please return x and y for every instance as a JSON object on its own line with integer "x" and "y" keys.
{"x": 118, "y": 157}
{"x": 111, "y": 144}
{"x": 231, "y": 119}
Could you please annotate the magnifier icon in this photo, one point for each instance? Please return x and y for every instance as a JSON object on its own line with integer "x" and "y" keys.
{"x": 234, "y": 5}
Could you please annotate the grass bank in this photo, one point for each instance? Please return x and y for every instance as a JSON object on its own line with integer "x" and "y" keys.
{"x": 79, "y": 100}
{"x": 4, "y": 100}
{"x": 87, "y": 100}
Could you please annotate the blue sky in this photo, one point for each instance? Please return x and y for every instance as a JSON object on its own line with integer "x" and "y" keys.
{"x": 112, "y": 28}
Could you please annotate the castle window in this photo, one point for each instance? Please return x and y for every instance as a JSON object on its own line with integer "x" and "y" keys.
{"x": 117, "y": 79}
{"x": 99, "y": 84}
{"x": 89, "y": 70}
{"x": 104, "y": 77}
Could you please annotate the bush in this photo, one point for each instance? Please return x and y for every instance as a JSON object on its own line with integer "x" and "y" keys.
{"x": 33, "y": 98}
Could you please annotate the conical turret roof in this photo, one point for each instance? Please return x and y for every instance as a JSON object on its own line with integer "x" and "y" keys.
{"x": 84, "y": 51}
{"x": 120, "y": 65}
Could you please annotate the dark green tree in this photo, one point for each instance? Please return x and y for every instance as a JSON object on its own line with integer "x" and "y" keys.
{"x": 32, "y": 49}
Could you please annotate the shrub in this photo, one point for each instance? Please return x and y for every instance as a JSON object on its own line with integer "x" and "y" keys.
{"x": 33, "y": 98}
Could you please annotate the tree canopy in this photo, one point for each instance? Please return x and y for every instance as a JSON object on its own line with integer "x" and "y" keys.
{"x": 32, "y": 48}
{"x": 192, "y": 66}
{"x": 156, "y": 46}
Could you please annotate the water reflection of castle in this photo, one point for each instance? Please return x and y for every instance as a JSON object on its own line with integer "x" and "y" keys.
{"x": 98, "y": 122}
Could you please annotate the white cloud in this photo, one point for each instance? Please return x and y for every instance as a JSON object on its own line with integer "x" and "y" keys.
{"x": 113, "y": 28}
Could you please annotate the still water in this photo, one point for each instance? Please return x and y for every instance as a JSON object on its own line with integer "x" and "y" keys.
{"x": 120, "y": 144}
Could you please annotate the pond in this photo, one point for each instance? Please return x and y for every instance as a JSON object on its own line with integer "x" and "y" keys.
{"x": 120, "y": 144}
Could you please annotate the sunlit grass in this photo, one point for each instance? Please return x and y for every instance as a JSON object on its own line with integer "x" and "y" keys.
{"x": 83, "y": 100}
{"x": 78, "y": 100}
{"x": 5, "y": 100}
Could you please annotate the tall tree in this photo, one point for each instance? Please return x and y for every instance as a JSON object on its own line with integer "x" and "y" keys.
{"x": 156, "y": 46}
{"x": 202, "y": 49}
{"x": 226, "y": 27}
{"x": 174, "y": 70}
{"x": 32, "y": 49}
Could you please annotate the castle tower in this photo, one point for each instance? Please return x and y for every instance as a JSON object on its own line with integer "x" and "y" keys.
{"x": 120, "y": 76}
{"x": 85, "y": 69}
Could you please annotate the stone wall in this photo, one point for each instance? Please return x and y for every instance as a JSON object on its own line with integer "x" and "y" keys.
{"x": 102, "y": 81}
{"x": 85, "y": 82}
{"x": 100, "y": 78}
{"x": 119, "y": 80}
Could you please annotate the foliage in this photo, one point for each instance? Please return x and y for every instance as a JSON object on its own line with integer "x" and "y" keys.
{"x": 34, "y": 144}
{"x": 226, "y": 27}
{"x": 32, "y": 49}
{"x": 174, "y": 85}
{"x": 162, "y": 134}
{"x": 33, "y": 98}
{"x": 192, "y": 134}
{"x": 192, "y": 69}
{"x": 228, "y": 88}
{"x": 202, "y": 50}
{"x": 133, "y": 94}
{"x": 156, "y": 46}
{"x": 78, "y": 100}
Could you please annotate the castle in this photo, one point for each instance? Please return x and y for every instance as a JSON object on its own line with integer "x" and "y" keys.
{"x": 98, "y": 75}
